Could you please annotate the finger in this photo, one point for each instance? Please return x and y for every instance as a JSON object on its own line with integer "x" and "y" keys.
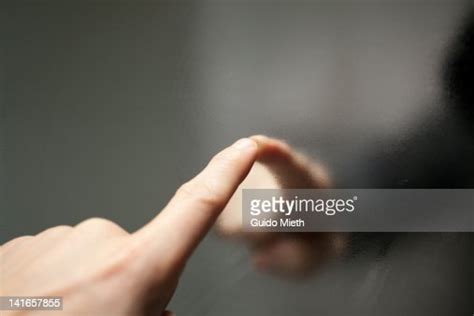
{"x": 286, "y": 257}
{"x": 292, "y": 169}
{"x": 15, "y": 243}
{"x": 176, "y": 231}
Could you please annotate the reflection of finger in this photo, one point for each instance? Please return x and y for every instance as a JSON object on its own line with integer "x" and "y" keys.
{"x": 286, "y": 256}
{"x": 168, "y": 313}
{"x": 292, "y": 169}
{"x": 177, "y": 230}
{"x": 298, "y": 254}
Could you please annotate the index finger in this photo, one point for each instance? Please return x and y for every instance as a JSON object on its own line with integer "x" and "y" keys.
{"x": 173, "y": 234}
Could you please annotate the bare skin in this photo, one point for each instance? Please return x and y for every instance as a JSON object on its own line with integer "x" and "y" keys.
{"x": 285, "y": 254}
{"x": 100, "y": 269}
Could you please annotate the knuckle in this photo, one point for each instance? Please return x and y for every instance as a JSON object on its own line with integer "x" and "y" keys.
{"x": 223, "y": 157}
{"x": 93, "y": 221}
{"x": 98, "y": 223}
{"x": 16, "y": 241}
{"x": 185, "y": 190}
{"x": 63, "y": 227}
{"x": 202, "y": 193}
{"x": 54, "y": 230}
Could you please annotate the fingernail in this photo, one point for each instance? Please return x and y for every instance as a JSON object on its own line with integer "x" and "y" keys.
{"x": 245, "y": 144}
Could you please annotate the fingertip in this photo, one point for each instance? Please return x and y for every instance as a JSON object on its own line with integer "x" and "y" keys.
{"x": 271, "y": 148}
{"x": 245, "y": 144}
{"x": 247, "y": 152}
{"x": 260, "y": 139}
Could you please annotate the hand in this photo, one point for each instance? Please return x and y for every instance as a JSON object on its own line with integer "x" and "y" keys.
{"x": 100, "y": 269}
{"x": 288, "y": 254}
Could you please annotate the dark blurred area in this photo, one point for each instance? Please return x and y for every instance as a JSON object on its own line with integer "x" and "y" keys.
{"x": 458, "y": 71}
{"x": 109, "y": 106}
{"x": 439, "y": 150}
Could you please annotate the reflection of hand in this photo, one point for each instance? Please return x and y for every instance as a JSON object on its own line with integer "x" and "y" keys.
{"x": 100, "y": 269}
{"x": 290, "y": 254}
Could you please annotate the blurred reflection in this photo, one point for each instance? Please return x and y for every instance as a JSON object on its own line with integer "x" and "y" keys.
{"x": 435, "y": 150}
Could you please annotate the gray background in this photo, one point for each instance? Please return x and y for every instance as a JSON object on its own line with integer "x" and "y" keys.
{"x": 108, "y": 107}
